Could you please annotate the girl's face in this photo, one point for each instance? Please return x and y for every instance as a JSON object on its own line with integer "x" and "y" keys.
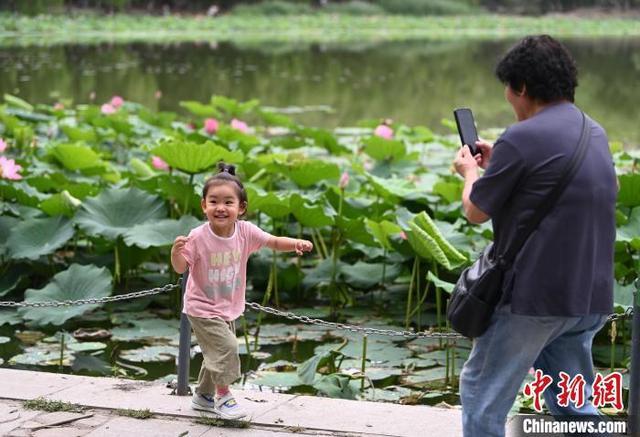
{"x": 222, "y": 208}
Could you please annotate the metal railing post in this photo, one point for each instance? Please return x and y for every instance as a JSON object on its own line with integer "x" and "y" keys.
{"x": 184, "y": 350}
{"x": 633, "y": 420}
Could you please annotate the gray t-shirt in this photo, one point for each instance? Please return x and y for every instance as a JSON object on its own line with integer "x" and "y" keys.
{"x": 566, "y": 266}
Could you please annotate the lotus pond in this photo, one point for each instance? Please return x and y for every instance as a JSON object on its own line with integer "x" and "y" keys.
{"x": 93, "y": 196}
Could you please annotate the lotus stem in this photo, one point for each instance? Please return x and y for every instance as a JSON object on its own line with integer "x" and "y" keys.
{"x": 116, "y": 272}
{"x": 245, "y": 329}
{"x": 363, "y": 367}
{"x": 384, "y": 267}
{"x": 613, "y": 333}
{"x": 61, "y": 350}
{"x": 409, "y": 295}
{"x": 265, "y": 299}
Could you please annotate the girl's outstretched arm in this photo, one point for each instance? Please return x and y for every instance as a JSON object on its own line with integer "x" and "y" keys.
{"x": 286, "y": 244}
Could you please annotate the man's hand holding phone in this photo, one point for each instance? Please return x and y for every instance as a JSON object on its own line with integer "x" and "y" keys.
{"x": 485, "y": 148}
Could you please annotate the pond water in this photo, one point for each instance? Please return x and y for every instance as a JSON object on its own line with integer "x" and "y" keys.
{"x": 416, "y": 82}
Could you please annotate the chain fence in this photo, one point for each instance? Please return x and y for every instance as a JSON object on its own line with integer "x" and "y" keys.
{"x": 628, "y": 313}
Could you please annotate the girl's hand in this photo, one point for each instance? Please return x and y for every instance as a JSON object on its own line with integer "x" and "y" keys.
{"x": 303, "y": 246}
{"x": 179, "y": 244}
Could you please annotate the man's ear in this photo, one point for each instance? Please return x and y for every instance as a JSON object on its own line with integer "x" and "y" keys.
{"x": 523, "y": 91}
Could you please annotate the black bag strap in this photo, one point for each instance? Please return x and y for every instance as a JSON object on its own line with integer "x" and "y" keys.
{"x": 549, "y": 202}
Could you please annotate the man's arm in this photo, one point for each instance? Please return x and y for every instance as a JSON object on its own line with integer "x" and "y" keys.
{"x": 474, "y": 214}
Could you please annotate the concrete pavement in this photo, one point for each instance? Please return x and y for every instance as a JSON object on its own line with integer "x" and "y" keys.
{"x": 271, "y": 414}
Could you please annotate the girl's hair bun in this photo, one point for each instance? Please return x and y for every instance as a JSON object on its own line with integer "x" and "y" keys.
{"x": 226, "y": 168}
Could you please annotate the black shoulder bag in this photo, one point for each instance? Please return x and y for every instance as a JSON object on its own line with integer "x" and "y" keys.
{"x": 479, "y": 287}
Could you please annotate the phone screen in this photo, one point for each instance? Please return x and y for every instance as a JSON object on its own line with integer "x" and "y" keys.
{"x": 466, "y": 128}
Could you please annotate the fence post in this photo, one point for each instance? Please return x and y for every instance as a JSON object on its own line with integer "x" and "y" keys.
{"x": 184, "y": 350}
{"x": 633, "y": 409}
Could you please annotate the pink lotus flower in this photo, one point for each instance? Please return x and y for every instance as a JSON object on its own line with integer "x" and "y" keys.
{"x": 159, "y": 164}
{"x": 117, "y": 101}
{"x": 107, "y": 109}
{"x": 3, "y": 145}
{"x": 239, "y": 125}
{"x": 58, "y": 106}
{"x": 9, "y": 169}
{"x": 211, "y": 125}
{"x": 158, "y": 94}
{"x": 383, "y": 131}
{"x": 403, "y": 235}
{"x": 344, "y": 180}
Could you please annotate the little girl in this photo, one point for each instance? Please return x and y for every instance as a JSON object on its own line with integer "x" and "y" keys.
{"x": 216, "y": 254}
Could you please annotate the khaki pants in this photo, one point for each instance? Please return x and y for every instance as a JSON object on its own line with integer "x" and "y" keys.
{"x": 221, "y": 362}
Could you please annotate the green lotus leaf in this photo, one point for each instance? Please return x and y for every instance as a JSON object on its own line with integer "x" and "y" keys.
{"x": 425, "y": 246}
{"x": 17, "y": 102}
{"x": 337, "y": 386}
{"x": 33, "y": 238}
{"x": 274, "y": 119}
{"x": 77, "y": 282}
{"x": 90, "y": 363}
{"x": 308, "y": 172}
{"x": 276, "y": 379}
{"x": 194, "y": 158}
{"x": 453, "y": 255}
{"x": 233, "y": 107}
{"x": 629, "y": 194}
{"x": 20, "y": 192}
{"x": 422, "y": 377}
{"x": 199, "y": 109}
{"x": 444, "y": 285}
{"x": 449, "y": 191}
{"x": 229, "y": 135}
{"x": 11, "y": 317}
{"x": 356, "y": 230}
{"x": 158, "y": 330}
{"x": 309, "y": 215}
{"x": 114, "y": 211}
{"x": 363, "y": 276}
{"x": 623, "y": 295}
{"x": 60, "y": 204}
{"x": 325, "y": 139}
{"x": 390, "y": 189}
{"x": 141, "y": 168}
{"x": 80, "y": 134}
{"x": 382, "y": 231}
{"x": 42, "y": 355}
{"x": 148, "y": 354}
{"x": 272, "y": 204}
{"x": 630, "y": 231}
{"x": 387, "y": 394}
{"x": 383, "y": 149}
{"x": 159, "y": 233}
{"x": 7, "y": 224}
{"x": 77, "y": 157}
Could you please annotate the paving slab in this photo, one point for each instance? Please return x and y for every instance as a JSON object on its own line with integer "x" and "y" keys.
{"x": 271, "y": 414}
{"x": 365, "y": 417}
{"x": 16, "y": 384}
{"x": 126, "y": 426}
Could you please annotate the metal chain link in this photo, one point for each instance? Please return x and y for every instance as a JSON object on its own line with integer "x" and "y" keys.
{"x": 66, "y": 303}
{"x": 353, "y": 328}
{"x": 628, "y": 313}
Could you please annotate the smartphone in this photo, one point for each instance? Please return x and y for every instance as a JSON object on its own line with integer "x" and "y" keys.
{"x": 466, "y": 128}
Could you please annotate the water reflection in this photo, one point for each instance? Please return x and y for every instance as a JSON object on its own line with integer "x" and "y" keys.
{"x": 416, "y": 82}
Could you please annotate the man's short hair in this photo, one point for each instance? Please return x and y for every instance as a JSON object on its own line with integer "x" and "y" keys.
{"x": 543, "y": 65}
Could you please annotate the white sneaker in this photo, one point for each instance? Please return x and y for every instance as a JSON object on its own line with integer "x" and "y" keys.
{"x": 203, "y": 402}
{"x": 227, "y": 408}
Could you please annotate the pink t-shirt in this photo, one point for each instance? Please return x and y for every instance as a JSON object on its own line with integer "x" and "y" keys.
{"x": 218, "y": 270}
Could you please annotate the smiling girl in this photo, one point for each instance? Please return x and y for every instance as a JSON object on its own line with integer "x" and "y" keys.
{"x": 216, "y": 255}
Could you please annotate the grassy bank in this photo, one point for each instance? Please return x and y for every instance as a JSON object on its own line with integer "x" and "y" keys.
{"x": 21, "y": 30}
